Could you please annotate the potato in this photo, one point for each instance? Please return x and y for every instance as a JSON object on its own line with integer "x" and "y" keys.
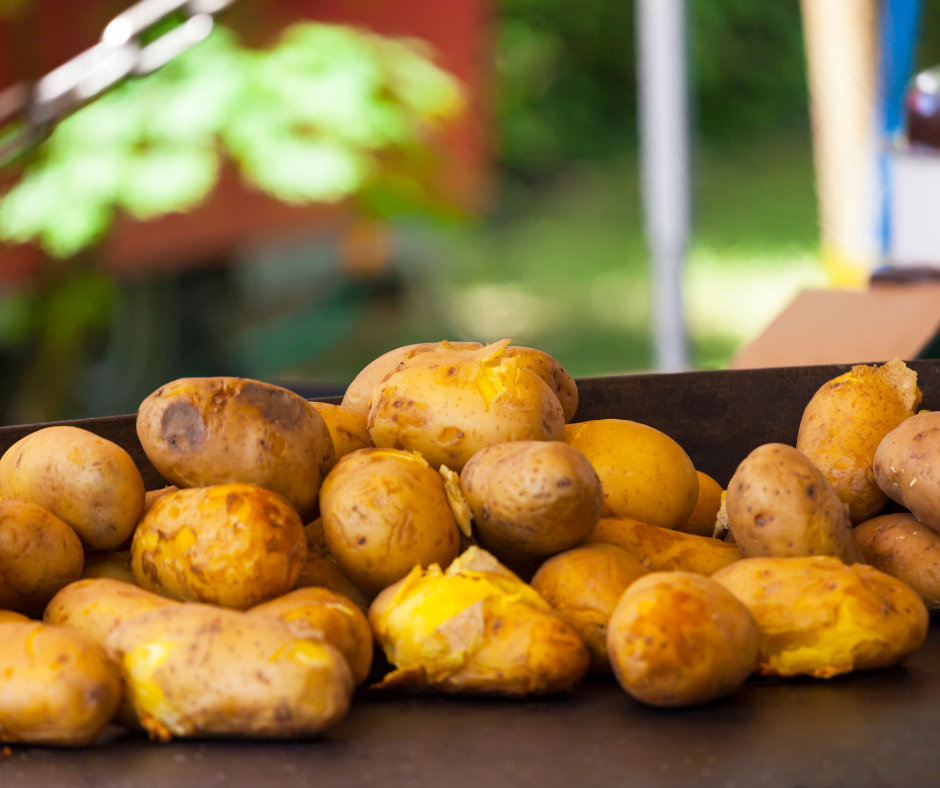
{"x": 38, "y": 555}
{"x": 86, "y": 481}
{"x": 663, "y": 550}
{"x": 152, "y": 496}
{"x": 553, "y": 373}
{"x": 907, "y": 466}
{"x": 360, "y": 390}
{"x": 198, "y": 670}
{"x": 680, "y": 639}
{"x": 844, "y": 423}
{"x": 200, "y": 432}
{"x": 56, "y": 686}
{"x": 645, "y": 474}
{"x": 448, "y": 404}
{"x": 583, "y": 586}
{"x": 235, "y": 545}
{"x": 385, "y": 512}
{"x": 11, "y": 617}
{"x": 819, "y": 617}
{"x": 322, "y": 571}
{"x": 114, "y": 565}
{"x": 330, "y": 615}
{"x": 705, "y": 514}
{"x": 898, "y": 545}
{"x": 349, "y": 429}
{"x": 531, "y": 499}
{"x": 316, "y": 537}
{"x": 475, "y": 628}
{"x": 780, "y": 504}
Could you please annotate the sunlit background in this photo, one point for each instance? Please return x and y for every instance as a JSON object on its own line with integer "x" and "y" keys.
{"x": 319, "y": 182}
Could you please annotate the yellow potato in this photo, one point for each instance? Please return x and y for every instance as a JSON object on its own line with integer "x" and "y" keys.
{"x": 819, "y": 617}
{"x": 113, "y": 565}
{"x": 330, "y": 615}
{"x": 316, "y": 537}
{"x": 349, "y": 429}
{"x": 200, "y": 432}
{"x": 531, "y": 499}
{"x": 645, "y": 474}
{"x": 38, "y": 555}
{"x": 385, "y": 512}
{"x": 780, "y": 504}
{"x": 680, "y": 639}
{"x": 198, "y": 670}
{"x": 235, "y": 545}
{"x": 847, "y": 419}
{"x": 663, "y": 550}
{"x": 553, "y": 373}
{"x": 11, "y": 617}
{"x": 906, "y": 466}
{"x": 448, "y": 404}
{"x": 705, "y": 514}
{"x": 476, "y": 628}
{"x": 152, "y": 496}
{"x": 86, "y": 481}
{"x": 56, "y": 686}
{"x": 322, "y": 571}
{"x": 583, "y": 586}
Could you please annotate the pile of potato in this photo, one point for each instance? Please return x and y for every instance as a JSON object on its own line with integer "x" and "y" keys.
{"x": 450, "y": 513}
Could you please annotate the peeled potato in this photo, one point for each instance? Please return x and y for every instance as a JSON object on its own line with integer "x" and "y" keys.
{"x": 553, "y": 373}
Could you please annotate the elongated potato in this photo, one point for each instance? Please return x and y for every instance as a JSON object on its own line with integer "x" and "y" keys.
{"x": 200, "y": 432}
{"x": 705, "y": 514}
{"x": 235, "y": 545}
{"x": 780, "y": 504}
{"x": 821, "y": 618}
{"x": 553, "y": 373}
{"x": 680, "y": 639}
{"x": 39, "y": 554}
{"x": 86, "y": 481}
{"x": 847, "y": 419}
{"x": 664, "y": 550}
{"x": 349, "y": 430}
{"x": 645, "y": 474}
{"x": 198, "y": 670}
{"x": 907, "y": 466}
{"x": 113, "y": 564}
{"x": 56, "y": 686}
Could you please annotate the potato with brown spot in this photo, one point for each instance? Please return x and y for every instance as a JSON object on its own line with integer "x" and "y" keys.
{"x": 844, "y": 423}
{"x": 680, "y": 639}
{"x": 39, "y": 554}
{"x": 553, "y": 373}
{"x": 531, "y": 499}
{"x": 583, "y": 586}
{"x": 780, "y": 504}
{"x": 88, "y": 482}
{"x": 664, "y": 550}
{"x": 705, "y": 514}
{"x": 200, "y": 432}
{"x": 907, "y": 466}
{"x": 349, "y": 429}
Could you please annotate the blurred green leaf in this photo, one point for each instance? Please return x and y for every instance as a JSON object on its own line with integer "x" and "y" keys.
{"x": 164, "y": 179}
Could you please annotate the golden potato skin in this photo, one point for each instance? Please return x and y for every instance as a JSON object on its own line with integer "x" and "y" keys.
{"x": 846, "y": 420}
{"x": 200, "y": 432}
{"x": 907, "y": 467}
{"x": 531, "y": 499}
{"x": 705, "y": 514}
{"x": 645, "y": 474}
{"x": 680, "y": 639}
{"x": 780, "y": 504}
{"x": 359, "y": 392}
{"x": 819, "y": 617}
{"x": 385, "y": 512}
{"x": 341, "y": 624}
{"x": 583, "y": 586}
{"x": 475, "y": 628}
{"x": 56, "y": 686}
{"x": 900, "y": 546}
{"x": 664, "y": 550}
{"x": 349, "y": 429}
{"x": 39, "y": 554}
{"x": 235, "y": 545}
{"x": 113, "y": 564}
{"x": 553, "y": 373}
{"x": 198, "y": 670}
{"x": 448, "y": 404}
{"x": 12, "y": 617}
{"x": 322, "y": 571}
{"x": 88, "y": 482}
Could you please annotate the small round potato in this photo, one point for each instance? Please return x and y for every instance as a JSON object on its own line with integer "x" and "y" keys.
{"x": 448, "y": 404}
{"x": 531, "y": 499}
{"x": 705, "y": 514}
{"x": 553, "y": 373}
{"x": 583, "y": 586}
{"x": 907, "y": 466}
{"x": 235, "y": 545}
{"x": 114, "y": 565}
{"x": 349, "y": 429}
{"x": 680, "y": 639}
{"x": 645, "y": 474}
{"x": 88, "y": 482}
{"x": 900, "y": 546}
{"x": 39, "y": 554}
{"x": 199, "y": 670}
{"x": 780, "y": 504}
{"x": 56, "y": 686}
{"x": 11, "y": 617}
{"x": 200, "y": 432}
{"x": 385, "y": 512}
{"x": 337, "y": 619}
{"x": 322, "y": 571}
